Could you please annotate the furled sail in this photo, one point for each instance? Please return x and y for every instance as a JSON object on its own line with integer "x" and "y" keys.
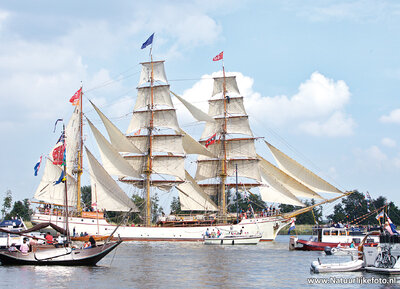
{"x": 113, "y": 162}
{"x": 72, "y": 136}
{"x": 300, "y": 173}
{"x": 158, "y": 72}
{"x": 106, "y": 194}
{"x": 294, "y": 186}
{"x": 275, "y": 192}
{"x": 161, "y": 97}
{"x": 117, "y": 138}
{"x": 192, "y": 146}
{"x": 193, "y": 198}
{"x": 161, "y": 118}
{"x": 196, "y": 112}
{"x": 49, "y": 192}
{"x": 230, "y": 85}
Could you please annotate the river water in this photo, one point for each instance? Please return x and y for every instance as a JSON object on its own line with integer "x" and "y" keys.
{"x": 192, "y": 265}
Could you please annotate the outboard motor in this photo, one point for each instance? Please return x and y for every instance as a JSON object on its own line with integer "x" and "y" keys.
{"x": 328, "y": 250}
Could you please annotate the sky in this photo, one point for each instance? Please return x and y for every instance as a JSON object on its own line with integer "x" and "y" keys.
{"x": 320, "y": 78}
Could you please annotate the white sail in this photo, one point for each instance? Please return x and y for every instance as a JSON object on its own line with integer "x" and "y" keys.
{"x": 193, "y": 198}
{"x": 161, "y": 97}
{"x": 48, "y": 192}
{"x": 113, "y": 162}
{"x": 162, "y": 164}
{"x": 234, "y": 106}
{"x": 300, "y": 173}
{"x": 235, "y": 148}
{"x": 158, "y": 72}
{"x": 72, "y": 136}
{"x": 106, "y": 194}
{"x": 230, "y": 85}
{"x": 117, "y": 138}
{"x": 196, "y": 112}
{"x": 294, "y": 186}
{"x": 235, "y": 125}
{"x": 275, "y": 192}
{"x": 248, "y": 168}
{"x": 161, "y": 118}
{"x": 192, "y": 146}
{"x": 160, "y": 143}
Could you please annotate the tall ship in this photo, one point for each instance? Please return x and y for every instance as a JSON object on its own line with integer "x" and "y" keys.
{"x": 151, "y": 156}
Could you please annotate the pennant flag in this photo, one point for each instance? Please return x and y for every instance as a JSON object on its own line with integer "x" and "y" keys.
{"x": 292, "y": 226}
{"x": 75, "y": 98}
{"x": 211, "y": 140}
{"x": 61, "y": 179}
{"x": 219, "y": 56}
{"x": 380, "y": 215}
{"x": 148, "y": 41}
{"x": 37, "y": 166}
{"x": 55, "y": 125}
{"x": 392, "y": 226}
{"x": 138, "y": 132}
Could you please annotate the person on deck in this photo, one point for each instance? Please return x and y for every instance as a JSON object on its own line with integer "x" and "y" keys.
{"x": 13, "y": 248}
{"x": 33, "y": 243}
{"x": 24, "y": 248}
{"x": 49, "y": 239}
{"x": 92, "y": 241}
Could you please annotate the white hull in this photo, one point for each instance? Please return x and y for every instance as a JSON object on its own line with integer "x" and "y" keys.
{"x": 233, "y": 240}
{"x": 268, "y": 226}
{"x": 350, "y": 266}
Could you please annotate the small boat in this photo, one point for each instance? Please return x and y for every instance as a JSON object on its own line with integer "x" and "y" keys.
{"x": 386, "y": 271}
{"x": 230, "y": 238}
{"x": 340, "y": 251}
{"x": 86, "y": 238}
{"x": 350, "y": 266}
{"x": 59, "y": 256}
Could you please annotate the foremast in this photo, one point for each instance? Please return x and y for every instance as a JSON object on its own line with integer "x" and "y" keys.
{"x": 80, "y": 154}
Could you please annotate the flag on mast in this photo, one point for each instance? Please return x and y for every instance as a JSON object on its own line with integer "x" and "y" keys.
{"x": 219, "y": 56}
{"x": 37, "y": 166}
{"x": 75, "y": 98}
{"x": 211, "y": 140}
{"x": 292, "y": 226}
{"x": 380, "y": 215}
{"x": 148, "y": 41}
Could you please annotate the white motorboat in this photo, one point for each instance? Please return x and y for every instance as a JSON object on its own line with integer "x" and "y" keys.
{"x": 233, "y": 240}
{"x": 350, "y": 266}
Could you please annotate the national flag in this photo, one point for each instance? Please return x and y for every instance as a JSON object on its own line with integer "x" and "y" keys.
{"x": 148, "y": 41}
{"x": 37, "y": 166}
{"x": 61, "y": 179}
{"x": 392, "y": 226}
{"x": 75, "y": 98}
{"x": 380, "y": 215}
{"x": 219, "y": 56}
{"x": 211, "y": 140}
{"x": 292, "y": 226}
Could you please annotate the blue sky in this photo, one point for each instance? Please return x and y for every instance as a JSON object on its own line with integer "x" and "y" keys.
{"x": 320, "y": 78}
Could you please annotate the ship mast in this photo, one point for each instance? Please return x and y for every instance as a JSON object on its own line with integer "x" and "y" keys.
{"x": 224, "y": 160}
{"x": 78, "y": 203}
{"x": 149, "y": 165}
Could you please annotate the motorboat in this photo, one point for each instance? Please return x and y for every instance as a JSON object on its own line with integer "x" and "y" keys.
{"x": 350, "y": 266}
{"x": 231, "y": 237}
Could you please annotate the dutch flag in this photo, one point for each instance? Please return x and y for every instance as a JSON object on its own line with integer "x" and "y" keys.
{"x": 292, "y": 226}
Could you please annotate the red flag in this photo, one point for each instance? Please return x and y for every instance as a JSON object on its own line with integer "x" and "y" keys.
{"x": 75, "y": 98}
{"x": 211, "y": 140}
{"x": 219, "y": 56}
{"x": 58, "y": 154}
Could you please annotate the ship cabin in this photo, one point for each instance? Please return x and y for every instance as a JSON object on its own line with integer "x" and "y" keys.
{"x": 340, "y": 235}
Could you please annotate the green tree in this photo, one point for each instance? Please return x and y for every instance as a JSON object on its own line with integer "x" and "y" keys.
{"x": 86, "y": 196}
{"x": 310, "y": 217}
{"x": 21, "y": 209}
{"x": 176, "y": 206}
{"x": 7, "y": 202}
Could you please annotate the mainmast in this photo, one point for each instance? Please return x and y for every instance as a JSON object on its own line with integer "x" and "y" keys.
{"x": 224, "y": 160}
{"x": 80, "y": 163}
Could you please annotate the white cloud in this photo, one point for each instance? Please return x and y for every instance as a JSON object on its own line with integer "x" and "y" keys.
{"x": 3, "y": 17}
{"x": 316, "y": 109}
{"x": 393, "y": 117}
{"x": 388, "y": 142}
{"x": 337, "y": 125}
{"x": 376, "y": 154}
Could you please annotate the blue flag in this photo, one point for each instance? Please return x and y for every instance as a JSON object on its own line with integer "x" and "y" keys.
{"x": 62, "y": 179}
{"x": 148, "y": 41}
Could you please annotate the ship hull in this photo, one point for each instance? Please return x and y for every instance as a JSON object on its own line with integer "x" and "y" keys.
{"x": 269, "y": 227}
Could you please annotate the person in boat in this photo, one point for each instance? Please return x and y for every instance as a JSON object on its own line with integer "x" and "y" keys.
{"x": 207, "y": 233}
{"x": 49, "y": 239}
{"x": 13, "y": 248}
{"x": 59, "y": 241}
{"x": 87, "y": 245}
{"x": 33, "y": 243}
{"x": 218, "y": 233}
{"x": 24, "y": 248}
{"x": 353, "y": 244}
{"x": 92, "y": 242}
